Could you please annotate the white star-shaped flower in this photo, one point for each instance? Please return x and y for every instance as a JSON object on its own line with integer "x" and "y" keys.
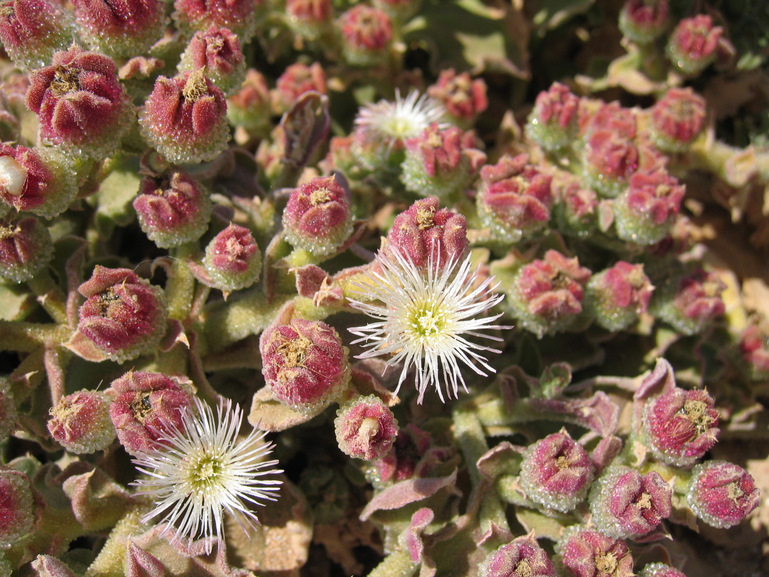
{"x": 424, "y": 318}
{"x": 391, "y": 122}
{"x": 203, "y": 470}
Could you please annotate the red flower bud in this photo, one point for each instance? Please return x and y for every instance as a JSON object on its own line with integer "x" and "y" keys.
{"x": 17, "y": 504}
{"x": 618, "y": 295}
{"x": 722, "y": 494}
{"x": 237, "y": 15}
{"x": 557, "y": 472}
{"x": 645, "y": 211}
{"x": 677, "y": 119}
{"x": 436, "y": 163}
{"x": 217, "y": 52}
{"x": 232, "y": 259}
{"x": 32, "y": 30}
{"x": 120, "y": 28}
{"x": 680, "y": 426}
{"x": 25, "y": 248}
{"x": 172, "y": 210}
{"x": 304, "y": 363}
{"x": 250, "y": 107}
{"x": 626, "y": 504}
{"x": 522, "y": 557}
{"x": 80, "y": 102}
{"x": 123, "y": 315}
{"x": 547, "y": 294}
{"x": 365, "y": 428}
{"x": 318, "y": 217}
{"x": 148, "y": 406}
{"x": 553, "y": 122}
{"x": 185, "y": 118}
{"x": 589, "y": 553}
{"x": 643, "y": 20}
{"x": 462, "y": 97}
{"x": 366, "y": 35}
{"x": 81, "y": 423}
{"x": 309, "y": 18}
{"x": 515, "y": 198}
{"x": 692, "y": 46}
{"x": 424, "y": 231}
{"x": 691, "y": 301}
{"x": 297, "y": 79}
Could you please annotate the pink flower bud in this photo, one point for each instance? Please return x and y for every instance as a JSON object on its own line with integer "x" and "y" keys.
{"x": 25, "y": 248}
{"x": 80, "y": 102}
{"x": 122, "y": 28}
{"x": 643, "y": 20}
{"x": 172, "y": 210}
{"x": 297, "y": 79}
{"x": 645, "y": 211}
{"x": 547, "y": 293}
{"x": 722, "y": 494}
{"x": 123, "y": 315}
{"x": 589, "y": 553}
{"x": 462, "y": 97}
{"x": 365, "y": 428}
{"x": 553, "y": 122}
{"x": 754, "y": 346}
{"x": 576, "y": 209}
{"x": 37, "y": 180}
{"x": 692, "y": 46}
{"x": 424, "y": 231}
{"x": 17, "y": 504}
{"x": 680, "y": 426}
{"x": 8, "y": 413}
{"x": 146, "y": 407}
{"x": 318, "y": 217}
{"x": 660, "y": 570}
{"x": 677, "y": 119}
{"x": 690, "y": 302}
{"x": 32, "y": 30}
{"x": 304, "y": 363}
{"x": 80, "y": 422}
{"x": 628, "y": 505}
{"x": 436, "y": 163}
{"x": 556, "y": 472}
{"x": 618, "y": 295}
{"x": 522, "y": 557}
{"x": 515, "y": 198}
{"x": 250, "y": 107}
{"x": 237, "y": 15}
{"x": 185, "y": 118}
{"x": 232, "y": 259}
{"x": 217, "y": 52}
{"x": 609, "y": 162}
{"x": 309, "y": 18}
{"x": 366, "y": 35}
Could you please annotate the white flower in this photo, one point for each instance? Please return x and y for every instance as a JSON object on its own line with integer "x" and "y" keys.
{"x": 390, "y": 122}
{"x": 203, "y": 470}
{"x": 425, "y": 317}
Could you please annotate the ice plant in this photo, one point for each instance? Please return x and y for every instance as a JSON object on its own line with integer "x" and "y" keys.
{"x": 522, "y": 557}
{"x": 232, "y": 260}
{"x": 722, "y": 494}
{"x": 17, "y": 504}
{"x": 618, "y": 295}
{"x": 553, "y": 122}
{"x": 365, "y": 428}
{"x": 677, "y": 119}
{"x": 692, "y": 46}
{"x": 32, "y": 30}
{"x": 185, "y": 119}
{"x": 584, "y": 552}
{"x": 80, "y": 102}
{"x": 25, "y": 248}
{"x": 366, "y": 34}
{"x": 80, "y": 422}
{"x": 217, "y": 52}
{"x": 123, "y": 315}
{"x": 643, "y": 20}
{"x": 424, "y": 317}
{"x": 202, "y": 470}
{"x": 463, "y": 97}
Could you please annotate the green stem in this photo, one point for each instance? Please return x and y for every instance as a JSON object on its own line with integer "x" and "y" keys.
{"x": 180, "y": 288}
{"x": 29, "y": 337}
{"x": 50, "y": 296}
{"x": 396, "y": 564}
